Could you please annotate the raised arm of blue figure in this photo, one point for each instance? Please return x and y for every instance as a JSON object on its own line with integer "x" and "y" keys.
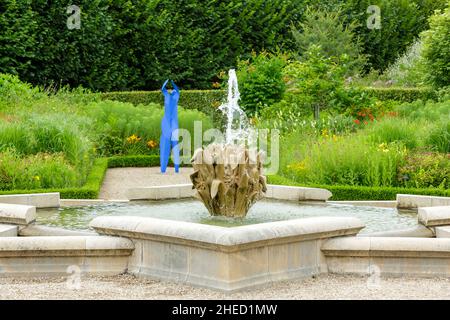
{"x": 164, "y": 89}
{"x": 175, "y": 88}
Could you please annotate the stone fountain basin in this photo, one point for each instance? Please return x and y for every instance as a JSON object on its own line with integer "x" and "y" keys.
{"x": 227, "y": 258}
{"x": 224, "y": 258}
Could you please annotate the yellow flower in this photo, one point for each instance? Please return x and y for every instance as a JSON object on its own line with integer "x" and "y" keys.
{"x": 325, "y": 133}
{"x": 253, "y": 121}
{"x": 383, "y": 147}
{"x": 151, "y": 144}
{"x": 133, "y": 139}
{"x": 298, "y": 166}
{"x": 215, "y": 104}
{"x": 36, "y": 178}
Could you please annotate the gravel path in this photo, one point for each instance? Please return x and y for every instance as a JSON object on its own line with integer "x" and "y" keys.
{"x": 118, "y": 180}
{"x": 322, "y": 287}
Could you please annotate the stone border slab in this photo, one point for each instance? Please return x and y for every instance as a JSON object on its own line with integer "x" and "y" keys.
{"x": 38, "y": 200}
{"x": 17, "y": 214}
{"x": 297, "y": 193}
{"x": 414, "y": 232}
{"x": 442, "y": 232}
{"x": 62, "y": 256}
{"x": 8, "y": 230}
{"x": 434, "y": 216}
{"x": 387, "y": 247}
{"x": 409, "y": 201}
{"x": 34, "y": 230}
{"x": 73, "y": 246}
{"x": 388, "y": 256}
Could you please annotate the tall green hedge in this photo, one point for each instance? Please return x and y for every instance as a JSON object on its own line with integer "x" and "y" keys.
{"x": 136, "y": 45}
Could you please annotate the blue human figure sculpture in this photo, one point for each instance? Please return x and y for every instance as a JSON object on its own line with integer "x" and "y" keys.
{"x": 169, "y": 123}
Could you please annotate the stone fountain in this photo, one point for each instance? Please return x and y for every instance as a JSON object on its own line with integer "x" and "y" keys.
{"x": 229, "y": 177}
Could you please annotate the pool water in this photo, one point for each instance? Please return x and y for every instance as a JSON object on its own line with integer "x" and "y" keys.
{"x": 78, "y": 218}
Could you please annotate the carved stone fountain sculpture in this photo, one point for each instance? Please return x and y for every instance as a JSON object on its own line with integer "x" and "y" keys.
{"x": 228, "y": 178}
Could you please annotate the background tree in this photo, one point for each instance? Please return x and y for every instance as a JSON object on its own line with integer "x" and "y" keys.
{"x": 335, "y": 38}
{"x": 317, "y": 80}
{"x": 436, "y": 48}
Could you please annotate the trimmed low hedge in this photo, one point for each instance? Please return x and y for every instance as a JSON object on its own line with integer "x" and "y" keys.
{"x": 133, "y": 161}
{"x": 403, "y": 94}
{"x": 355, "y": 193}
{"x": 206, "y": 101}
{"x": 137, "y": 161}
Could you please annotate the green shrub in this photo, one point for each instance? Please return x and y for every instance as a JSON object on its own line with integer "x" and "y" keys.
{"x": 315, "y": 81}
{"x": 335, "y": 37}
{"x": 48, "y": 134}
{"x": 260, "y": 81}
{"x": 436, "y": 42}
{"x": 14, "y": 92}
{"x": 346, "y": 161}
{"x": 357, "y": 103}
{"x": 425, "y": 170}
{"x": 390, "y": 130}
{"x": 36, "y": 171}
{"x": 439, "y": 137}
